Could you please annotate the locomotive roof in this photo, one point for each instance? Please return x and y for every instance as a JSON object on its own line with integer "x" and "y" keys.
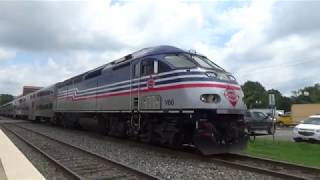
{"x": 148, "y": 52}
{"x": 156, "y": 50}
{"x": 163, "y": 49}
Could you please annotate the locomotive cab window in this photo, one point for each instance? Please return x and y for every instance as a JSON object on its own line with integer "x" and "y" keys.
{"x": 146, "y": 67}
{"x": 136, "y": 70}
{"x": 205, "y": 62}
{"x": 163, "y": 67}
{"x": 179, "y": 61}
{"x": 151, "y": 66}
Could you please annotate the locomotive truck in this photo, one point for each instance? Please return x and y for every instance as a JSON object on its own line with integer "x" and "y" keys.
{"x": 162, "y": 95}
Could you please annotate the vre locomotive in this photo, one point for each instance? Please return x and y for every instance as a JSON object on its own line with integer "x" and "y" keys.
{"x": 160, "y": 95}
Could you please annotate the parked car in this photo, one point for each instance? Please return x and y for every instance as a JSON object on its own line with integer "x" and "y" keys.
{"x": 257, "y": 121}
{"x": 285, "y": 120}
{"x": 308, "y": 129}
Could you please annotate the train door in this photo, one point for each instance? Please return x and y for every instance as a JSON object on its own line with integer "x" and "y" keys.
{"x": 90, "y": 85}
{"x": 142, "y": 83}
{"x": 55, "y": 99}
{"x": 89, "y": 103}
{"x": 135, "y": 86}
{"x": 150, "y": 100}
{"x": 33, "y": 108}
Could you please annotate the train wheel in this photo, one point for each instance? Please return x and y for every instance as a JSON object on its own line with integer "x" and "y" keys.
{"x": 37, "y": 119}
{"x": 177, "y": 139}
{"x": 64, "y": 123}
{"x": 118, "y": 127}
{"x": 146, "y": 133}
{"x": 55, "y": 120}
{"x": 103, "y": 126}
{"x": 67, "y": 121}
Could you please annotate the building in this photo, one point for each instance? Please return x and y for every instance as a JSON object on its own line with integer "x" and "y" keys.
{"x": 27, "y": 90}
{"x": 300, "y": 112}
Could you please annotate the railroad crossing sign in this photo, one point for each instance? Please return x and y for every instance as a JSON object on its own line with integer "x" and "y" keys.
{"x": 272, "y": 100}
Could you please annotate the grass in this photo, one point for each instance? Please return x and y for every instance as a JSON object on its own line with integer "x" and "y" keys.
{"x": 300, "y": 153}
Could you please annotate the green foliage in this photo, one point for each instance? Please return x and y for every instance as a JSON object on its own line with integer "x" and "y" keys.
{"x": 4, "y": 98}
{"x": 309, "y": 94}
{"x": 255, "y": 95}
{"x": 301, "y": 153}
{"x": 282, "y": 102}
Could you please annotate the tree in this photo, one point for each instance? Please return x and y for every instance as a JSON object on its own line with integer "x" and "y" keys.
{"x": 309, "y": 94}
{"x": 285, "y": 104}
{"x": 4, "y": 98}
{"x": 277, "y": 94}
{"x": 282, "y": 102}
{"x": 255, "y": 95}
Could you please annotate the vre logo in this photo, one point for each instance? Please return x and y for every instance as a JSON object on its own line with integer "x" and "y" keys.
{"x": 232, "y": 96}
{"x": 150, "y": 82}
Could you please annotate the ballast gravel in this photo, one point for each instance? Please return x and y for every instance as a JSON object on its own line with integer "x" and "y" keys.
{"x": 161, "y": 162}
{"x": 47, "y": 168}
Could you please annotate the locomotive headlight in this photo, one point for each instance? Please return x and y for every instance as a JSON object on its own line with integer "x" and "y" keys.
{"x": 211, "y": 74}
{"x": 210, "y": 98}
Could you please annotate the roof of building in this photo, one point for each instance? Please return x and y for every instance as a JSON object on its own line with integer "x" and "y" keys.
{"x": 32, "y": 87}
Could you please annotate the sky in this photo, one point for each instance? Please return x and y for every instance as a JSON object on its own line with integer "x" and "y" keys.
{"x": 274, "y": 42}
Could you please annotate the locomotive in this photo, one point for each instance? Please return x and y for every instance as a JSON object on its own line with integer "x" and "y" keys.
{"x": 162, "y": 95}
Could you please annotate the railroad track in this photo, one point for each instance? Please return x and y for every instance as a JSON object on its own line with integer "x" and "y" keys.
{"x": 269, "y": 167}
{"x": 78, "y": 163}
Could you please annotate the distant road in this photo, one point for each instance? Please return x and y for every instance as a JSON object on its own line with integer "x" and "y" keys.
{"x": 283, "y": 133}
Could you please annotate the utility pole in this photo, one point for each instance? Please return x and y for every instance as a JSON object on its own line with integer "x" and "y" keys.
{"x": 272, "y": 104}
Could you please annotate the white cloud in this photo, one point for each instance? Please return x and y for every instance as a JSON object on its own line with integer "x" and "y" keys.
{"x": 83, "y": 35}
{"x": 268, "y": 41}
{"x": 275, "y": 43}
{"x": 96, "y": 25}
{"x": 6, "y": 54}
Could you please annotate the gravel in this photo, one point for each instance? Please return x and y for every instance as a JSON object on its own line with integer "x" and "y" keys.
{"x": 161, "y": 162}
{"x": 47, "y": 168}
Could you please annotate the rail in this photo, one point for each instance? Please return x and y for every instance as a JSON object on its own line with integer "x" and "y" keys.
{"x": 77, "y": 162}
{"x": 269, "y": 167}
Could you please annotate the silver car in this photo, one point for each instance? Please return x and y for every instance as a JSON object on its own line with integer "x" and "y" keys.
{"x": 258, "y": 121}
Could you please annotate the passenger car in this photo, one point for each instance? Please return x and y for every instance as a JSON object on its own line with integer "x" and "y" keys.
{"x": 309, "y": 129}
{"x": 257, "y": 121}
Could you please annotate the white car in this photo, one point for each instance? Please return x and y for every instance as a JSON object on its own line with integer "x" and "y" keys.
{"x": 308, "y": 130}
